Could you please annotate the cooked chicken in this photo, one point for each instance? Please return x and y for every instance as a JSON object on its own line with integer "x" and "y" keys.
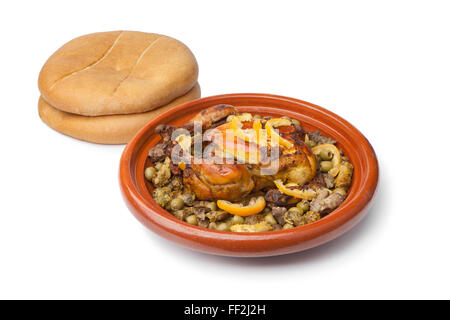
{"x": 229, "y": 182}
{"x": 295, "y": 164}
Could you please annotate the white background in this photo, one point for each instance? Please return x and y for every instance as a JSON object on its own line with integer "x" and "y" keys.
{"x": 383, "y": 65}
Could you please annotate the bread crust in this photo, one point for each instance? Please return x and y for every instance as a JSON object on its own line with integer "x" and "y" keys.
{"x": 120, "y": 72}
{"x": 110, "y": 129}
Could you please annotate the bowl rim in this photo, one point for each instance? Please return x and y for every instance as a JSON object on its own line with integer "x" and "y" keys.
{"x": 345, "y": 212}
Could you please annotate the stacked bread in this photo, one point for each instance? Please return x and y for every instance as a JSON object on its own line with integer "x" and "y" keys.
{"x": 103, "y": 87}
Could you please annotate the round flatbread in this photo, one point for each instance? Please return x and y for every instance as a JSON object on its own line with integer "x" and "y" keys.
{"x": 118, "y": 72}
{"x": 112, "y": 129}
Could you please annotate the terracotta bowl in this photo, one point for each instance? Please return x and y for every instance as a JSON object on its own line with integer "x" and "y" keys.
{"x": 136, "y": 190}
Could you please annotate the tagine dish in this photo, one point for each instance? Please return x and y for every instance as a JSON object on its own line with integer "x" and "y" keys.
{"x": 239, "y": 172}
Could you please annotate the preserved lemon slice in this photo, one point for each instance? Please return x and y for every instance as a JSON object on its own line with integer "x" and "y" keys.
{"x": 278, "y": 122}
{"x": 336, "y": 160}
{"x": 296, "y": 193}
{"x": 246, "y": 135}
{"x": 238, "y": 209}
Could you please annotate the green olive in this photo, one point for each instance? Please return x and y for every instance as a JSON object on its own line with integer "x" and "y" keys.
{"x": 223, "y": 226}
{"x": 310, "y": 143}
{"x": 325, "y": 166}
{"x": 295, "y": 122}
{"x": 212, "y": 225}
{"x": 212, "y": 206}
{"x": 192, "y": 220}
{"x": 266, "y": 210}
{"x": 177, "y": 204}
{"x": 325, "y": 155}
{"x": 229, "y": 118}
{"x": 149, "y": 173}
{"x": 295, "y": 210}
{"x": 237, "y": 220}
{"x": 287, "y": 226}
{"x": 256, "y": 116}
{"x": 270, "y": 219}
{"x": 303, "y": 205}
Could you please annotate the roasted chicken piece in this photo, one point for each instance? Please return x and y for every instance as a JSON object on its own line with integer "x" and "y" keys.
{"x": 295, "y": 164}
{"x": 218, "y": 181}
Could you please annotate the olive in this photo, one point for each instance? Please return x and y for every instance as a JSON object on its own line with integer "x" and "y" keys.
{"x": 192, "y": 220}
{"x": 325, "y": 166}
{"x": 287, "y": 226}
{"x": 212, "y": 225}
{"x": 237, "y": 220}
{"x": 270, "y": 219}
{"x": 223, "y": 226}
{"x": 303, "y": 205}
{"x": 295, "y": 210}
{"x": 295, "y": 122}
{"x": 212, "y": 206}
{"x": 149, "y": 173}
{"x": 266, "y": 210}
{"x": 177, "y": 204}
{"x": 256, "y": 116}
{"x": 325, "y": 155}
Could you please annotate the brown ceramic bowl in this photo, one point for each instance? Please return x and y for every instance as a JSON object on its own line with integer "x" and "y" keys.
{"x": 137, "y": 195}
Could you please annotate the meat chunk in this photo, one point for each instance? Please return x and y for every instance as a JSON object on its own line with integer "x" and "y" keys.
{"x": 329, "y": 180}
{"x": 298, "y": 218}
{"x": 344, "y": 178}
{"x": 278, "y": 213}
{"x": 160, "y": 152}
{"x": 213, "y": 114}
{"x": 163, "y": 149}
{"x": 318, "y": 138}
{"x": 325, "y": 202}
{"x": 277, "y": 198}
{"x": 217, "y": 215}
{"x": 318, "y": 182}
